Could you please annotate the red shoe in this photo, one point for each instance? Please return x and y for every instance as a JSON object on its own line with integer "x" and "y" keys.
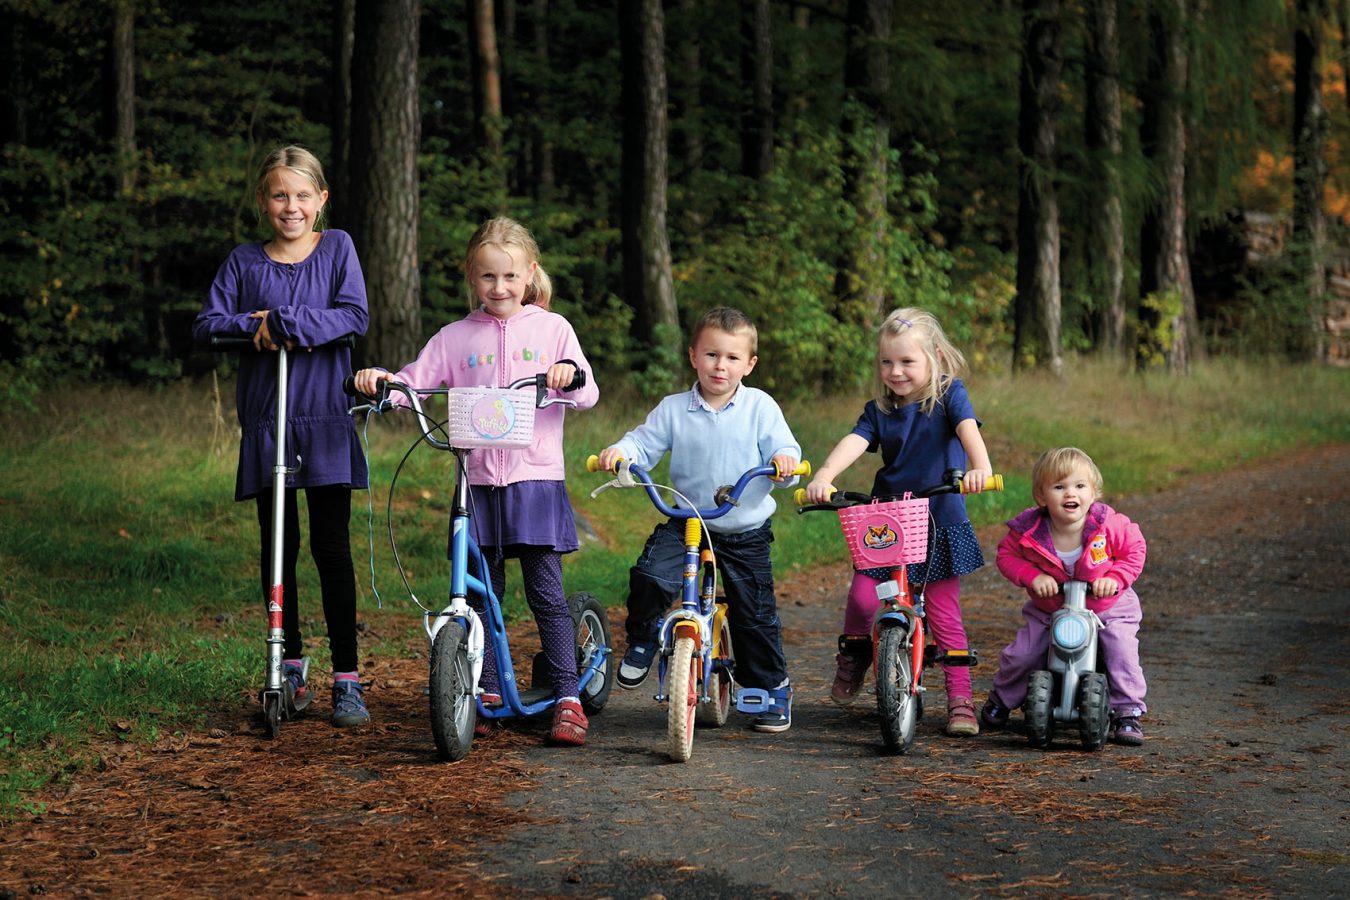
{"x": 483, "y": 727}
{"x": 569, "y": 725}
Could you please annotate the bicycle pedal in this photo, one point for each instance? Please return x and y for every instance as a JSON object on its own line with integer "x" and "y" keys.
{"x": 966, "y": 657}
{"x": 752, "y": 701}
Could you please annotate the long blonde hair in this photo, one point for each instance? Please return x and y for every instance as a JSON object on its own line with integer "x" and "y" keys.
{"x": 504, "y": 233}
{"x": 301, "y": 162}
{"x": 945, "y": 362}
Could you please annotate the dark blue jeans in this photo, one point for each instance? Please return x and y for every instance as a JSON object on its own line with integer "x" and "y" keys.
{"x": 746, "y": 570}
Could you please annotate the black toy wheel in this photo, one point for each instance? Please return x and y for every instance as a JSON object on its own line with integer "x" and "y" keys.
{"x": 1039, "y": 709}
{"x": 1094, "y": 711}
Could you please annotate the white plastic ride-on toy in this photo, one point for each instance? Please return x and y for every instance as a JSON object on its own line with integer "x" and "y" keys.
{"x": 1071, "y": 688}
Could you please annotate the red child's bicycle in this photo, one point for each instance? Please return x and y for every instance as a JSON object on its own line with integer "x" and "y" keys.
{"x": 889, "y": 533}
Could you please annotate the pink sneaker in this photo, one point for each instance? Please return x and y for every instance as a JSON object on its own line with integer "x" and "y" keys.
{"x": 961, "y": 717}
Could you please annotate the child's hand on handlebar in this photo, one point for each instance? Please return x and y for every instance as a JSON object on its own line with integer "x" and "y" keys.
{"x": 785, "y": 463}
{"x": 608, "y": 457}
{"x": 1105, "y": 586}
{"x": 367, "y": 381}
{"x": 262, "y": 338}
{"x": 560, "y": 375}
{"x": 820, "y": 489}
{"x": 976, "y": 479}
{"x": 1044, "y": 586}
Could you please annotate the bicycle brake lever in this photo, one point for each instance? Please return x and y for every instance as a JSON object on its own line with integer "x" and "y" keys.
{"x": 622, "y": 479}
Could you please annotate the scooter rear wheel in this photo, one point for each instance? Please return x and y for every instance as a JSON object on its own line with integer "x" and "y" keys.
{"x": 453, "y": 712}
{"x": 897, "y": 702}
{"x": 592, "y": 628}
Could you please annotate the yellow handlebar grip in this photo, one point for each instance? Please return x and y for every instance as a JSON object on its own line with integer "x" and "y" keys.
{"x": 992, "y": 483}
{"x": 799, "y": 496}
{"x": 592, "y": 463}
{"x": 803, "y": 469}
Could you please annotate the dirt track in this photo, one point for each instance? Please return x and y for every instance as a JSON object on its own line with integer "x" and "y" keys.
{"x": 1242, "y": 789}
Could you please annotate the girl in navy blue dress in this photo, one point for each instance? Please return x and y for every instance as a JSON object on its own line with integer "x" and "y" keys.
{"x": 921, "y": 421}
{"x": 301, "y": 289}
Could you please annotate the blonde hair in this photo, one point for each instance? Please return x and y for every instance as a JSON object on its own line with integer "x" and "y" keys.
{"x": 731, "y": 321}
{"x": 301, "y": 162}
{"x": 504, "y": 233}
{"x": 945, "y": 362}
{"x": 1059, "y": 463}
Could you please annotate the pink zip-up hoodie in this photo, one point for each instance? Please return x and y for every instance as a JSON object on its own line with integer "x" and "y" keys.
{"x": 1113, "y": 546}
{"x": 483, "y": 351}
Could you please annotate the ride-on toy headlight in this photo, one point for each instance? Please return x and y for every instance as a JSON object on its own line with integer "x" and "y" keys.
{"x": 1070, "y": 633}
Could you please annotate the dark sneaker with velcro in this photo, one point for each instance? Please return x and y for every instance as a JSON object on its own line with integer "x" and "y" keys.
{"x": 636, "y": 664}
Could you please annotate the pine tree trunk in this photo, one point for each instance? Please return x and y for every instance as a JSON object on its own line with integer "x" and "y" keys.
{"x": 1167, "y": 320}
{"x": 859, "y": 281}
{"x": 339, "y": 166}
{"x": 384, "y": 141}
{"x": 124, "y": 73}
{"x": 1106, "y": 244}
{"x": 1309, "y": 231}
{"x": 757, "y": 72}
{"x": 647, "y": 278}
{"x": 1036, "y": 331}
{"x": 488, "y": 83}
{"x": 541, "y": 145}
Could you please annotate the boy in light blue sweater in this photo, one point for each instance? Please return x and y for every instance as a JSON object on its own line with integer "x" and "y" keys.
{"x": 715, "y": 432}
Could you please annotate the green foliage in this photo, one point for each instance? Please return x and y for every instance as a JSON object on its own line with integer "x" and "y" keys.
{"x": 1159, "y": 315}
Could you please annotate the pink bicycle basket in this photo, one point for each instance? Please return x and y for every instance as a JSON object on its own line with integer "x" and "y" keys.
{"x": 886, "y": 535}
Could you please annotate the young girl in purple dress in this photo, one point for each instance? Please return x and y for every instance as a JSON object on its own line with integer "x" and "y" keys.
{"x": 301, "y": 289}
{"x": 520, "y": 505}
{"x": 921, "y": 420}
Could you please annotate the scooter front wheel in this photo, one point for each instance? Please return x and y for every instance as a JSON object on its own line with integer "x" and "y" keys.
{"x": 272, "y": 714}
{"x": 593, "y": 642}
{"x": 1039, "y": 708}
{"x": 453, "y": 713}
{"x": 681, "y": 700}
{"x": 1094, "y": 711}
{"x": 897, "y": 701}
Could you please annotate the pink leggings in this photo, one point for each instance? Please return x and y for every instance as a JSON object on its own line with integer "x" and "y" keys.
{"x": 942, "y": 615}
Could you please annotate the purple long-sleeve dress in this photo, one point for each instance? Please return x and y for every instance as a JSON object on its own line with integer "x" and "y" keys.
{"x": 312, "y": 302}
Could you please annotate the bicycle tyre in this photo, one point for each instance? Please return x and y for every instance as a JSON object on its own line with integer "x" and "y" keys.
{"x": 453, "y": 711}
{"x": 681, "y": 700}
{"x": 717, "y": 710}
{"x": 897, "y": 703}
{"x": 593, "y": 637}
{"x": 1094, "y": 711}
{"x": 1039, "y": 708}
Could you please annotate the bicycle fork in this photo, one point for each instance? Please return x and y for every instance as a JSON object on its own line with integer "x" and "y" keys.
{"x": 899, "y": 610}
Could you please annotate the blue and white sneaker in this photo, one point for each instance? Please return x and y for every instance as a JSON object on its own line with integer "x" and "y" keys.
{"x": 636, "y": 664}
{"x": 295, "y": 680}
{"x": 778, "y": 717}
{"x": 349, "y": 708}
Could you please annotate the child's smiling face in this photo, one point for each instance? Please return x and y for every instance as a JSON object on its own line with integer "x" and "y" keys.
{"x": 1067, "y": 499}
{"x": 500, "y": 279}
{"x": 904, "y": 366}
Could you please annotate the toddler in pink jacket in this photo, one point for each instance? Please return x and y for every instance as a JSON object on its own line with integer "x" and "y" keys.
{"x": 1071, "y": 534}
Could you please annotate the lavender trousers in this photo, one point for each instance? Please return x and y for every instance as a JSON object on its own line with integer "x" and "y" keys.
{"x": 942, "y": 614}
{"x": 1119, "y": 643}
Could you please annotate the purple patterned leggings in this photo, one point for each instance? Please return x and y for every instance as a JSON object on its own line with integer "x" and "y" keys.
{"x": 541, "y": 570}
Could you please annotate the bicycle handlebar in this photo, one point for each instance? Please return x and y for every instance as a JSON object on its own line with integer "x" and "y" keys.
{"x": 951, "y": 484}
{"x": 726, "y": 498}
{"x": 381, "y": 402}
{"x": 227, "y": 342}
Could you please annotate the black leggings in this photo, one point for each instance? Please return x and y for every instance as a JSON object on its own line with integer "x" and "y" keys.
{"x": 330, "y": 508}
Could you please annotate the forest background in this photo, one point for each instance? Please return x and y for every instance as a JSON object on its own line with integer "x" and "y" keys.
{"x": 1154, "y": 180}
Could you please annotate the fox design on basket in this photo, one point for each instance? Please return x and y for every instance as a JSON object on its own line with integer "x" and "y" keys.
{"x": 493, "y": 417}
{"x": 879, "y": 537}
